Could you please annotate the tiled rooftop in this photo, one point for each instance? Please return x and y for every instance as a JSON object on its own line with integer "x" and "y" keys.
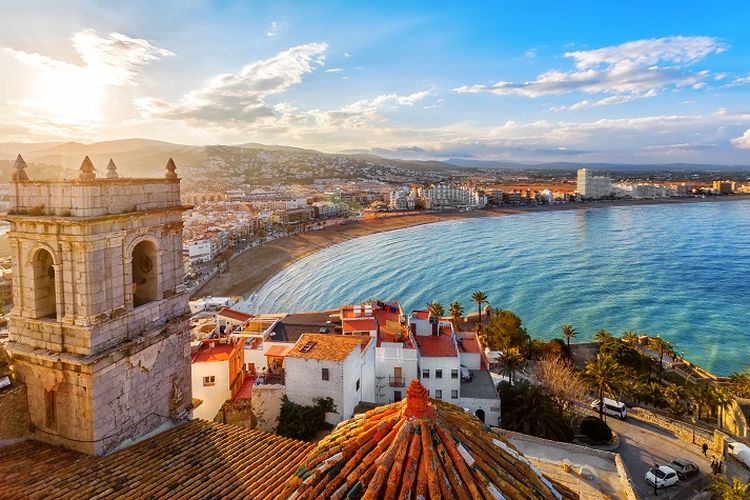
{"x": 194, "y": 460}
{"x": 234, "y": 314}
{"x": 220, "y": 352}
{"x": 359, "y": 325}
{"x": 417, "y": 448}
{"x": 441, "y": 346}
{"x": 327, "y": 347}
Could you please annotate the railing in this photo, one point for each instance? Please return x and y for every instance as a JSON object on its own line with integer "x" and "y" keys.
{"x": 396, "y": 381}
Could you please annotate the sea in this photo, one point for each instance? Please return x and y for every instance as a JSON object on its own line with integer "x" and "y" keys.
{"x": 681, "y": 271}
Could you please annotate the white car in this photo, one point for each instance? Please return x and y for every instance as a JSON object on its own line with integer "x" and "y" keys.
{"x": 662, "y": 476}
{"x": 739, "y": 451}
{"x": 612, "y": 408}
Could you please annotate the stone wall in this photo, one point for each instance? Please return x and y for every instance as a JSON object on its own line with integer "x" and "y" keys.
{"x": 237, "y": 412}
{"x": 14, "y": 414}
{"x": 681, "y": 430}
{"x": 734, "y": 419}
{"x": 266, "y": 406}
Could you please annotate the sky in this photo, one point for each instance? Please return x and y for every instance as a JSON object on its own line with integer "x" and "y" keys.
{"x": 626, "y": 82}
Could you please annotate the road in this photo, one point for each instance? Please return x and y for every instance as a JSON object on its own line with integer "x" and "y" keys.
{"x": 643, "y": 445}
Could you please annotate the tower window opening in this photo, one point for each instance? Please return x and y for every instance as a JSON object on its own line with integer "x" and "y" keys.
{"x": 145, "y": 275}
{"x": 45, "y": 299}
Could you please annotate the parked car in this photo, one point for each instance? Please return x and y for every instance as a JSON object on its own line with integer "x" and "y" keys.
{"x": 739, "y": 451}
{"x": 685, "y": 469}
{"x": 662, "y": 476}
{"x": 612, "y": 408}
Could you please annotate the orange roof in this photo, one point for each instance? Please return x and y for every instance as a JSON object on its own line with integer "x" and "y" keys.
{"x": 418, "y": 448}
{"x": 441, "y": 346}
{"x": 421, "y": 314}
{"x": 235, "y": 315}
{"x": 220, "y": 352}
{"x": 359, "y": 325}
{"x": 278, "y": 351}
{"x": 327, "y": 347}
{"x": 198, "y": 459}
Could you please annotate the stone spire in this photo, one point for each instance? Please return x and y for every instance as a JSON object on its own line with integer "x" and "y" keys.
{"x": 87, "y": 170}
{"x": 20, "y": 173}
{"x": 112, "y": 170}
{"x": 171, "y": 167}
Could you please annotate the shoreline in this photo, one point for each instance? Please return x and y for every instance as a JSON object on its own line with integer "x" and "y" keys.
{"x": 254, "y": 267}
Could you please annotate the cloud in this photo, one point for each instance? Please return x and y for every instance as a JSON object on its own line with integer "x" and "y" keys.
{"x": 627, "y": 71}
{"x": 742, "y": 142}
{"x": 240, "y": 98}
{"x": 334, "y": 70}
{"x": 530, "y": 54}
{"x": 347, "y": 55}
{"x": 76, "y": 94}
{"x": 275, "y": 29}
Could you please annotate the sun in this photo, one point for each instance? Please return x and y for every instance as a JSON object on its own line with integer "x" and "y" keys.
{"x": 69, "y": 95}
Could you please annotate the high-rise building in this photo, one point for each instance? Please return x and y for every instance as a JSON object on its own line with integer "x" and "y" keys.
{"x": 98, "y": 329}
{"x": 593, "y": 186}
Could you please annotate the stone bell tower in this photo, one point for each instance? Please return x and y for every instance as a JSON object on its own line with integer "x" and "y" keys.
{"x": 98, "y": 329}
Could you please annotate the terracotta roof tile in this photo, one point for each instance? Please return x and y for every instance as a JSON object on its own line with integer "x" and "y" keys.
{"x": 416, "y": 448}
{"x": 234, "y": 314}
{"x": 441, "y": 346}
{"x": 194, "y": 460}
{"x": 327, "y": 347}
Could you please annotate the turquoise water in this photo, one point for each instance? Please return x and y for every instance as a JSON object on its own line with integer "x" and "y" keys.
{"x": 680, "y": 271}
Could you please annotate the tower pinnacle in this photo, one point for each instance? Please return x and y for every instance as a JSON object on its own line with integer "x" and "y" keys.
{"x": 171, "y": 167}
{"x": 19, "y": 174}
{"x": 87, "y": 170}
{"x": 112, "y": 170}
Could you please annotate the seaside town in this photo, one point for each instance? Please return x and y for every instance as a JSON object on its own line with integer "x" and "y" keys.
{"x": 132, "y": 369}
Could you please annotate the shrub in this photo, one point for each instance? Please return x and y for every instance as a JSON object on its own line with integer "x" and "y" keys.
{"x": 596, "y": 430}
{"x": 304, "y": 422}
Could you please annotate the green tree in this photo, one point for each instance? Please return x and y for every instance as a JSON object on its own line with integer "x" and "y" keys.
{"x": 731, "y": 489}
{"x": 602, "y": 335}
{"x": 703, "y": 396}
{"x": 527, "y": 408}
{"x": 662, "y": 348}
{"x": 480, "y": 298}
{"x": 511, "y": 360}
{"x": 630, "y": 337}
{"x": 602, "y": 374}
{"x": 456, "y": 312}
{"x": 304, "y": 422}
{"x": 722, "y": 399}
{"x": 436, "y": 310}
{"x": 504, "y": 331}
{"x": 739, "y": 384}
{"x": 568, "y": 332}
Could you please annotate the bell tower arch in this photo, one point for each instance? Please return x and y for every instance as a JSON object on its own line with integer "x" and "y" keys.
{"x": 98, "y": 329}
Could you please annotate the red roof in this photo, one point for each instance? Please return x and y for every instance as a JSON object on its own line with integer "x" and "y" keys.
{"x": 359, "y": 325}
{"x": 421, "y": 314}
{"x": 441, "y": 346}
{"x": 278, "y": 351}
{"x": 235, "y": 315}
{"x": 220, "y": 352}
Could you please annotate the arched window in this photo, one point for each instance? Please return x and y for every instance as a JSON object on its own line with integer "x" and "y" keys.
{"x": 480, "y": 414}
{"x": 45, "y": 300}
{"x": 145, "y": 274}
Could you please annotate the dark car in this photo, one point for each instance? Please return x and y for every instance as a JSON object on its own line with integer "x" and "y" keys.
{"x": 685, "y": 468}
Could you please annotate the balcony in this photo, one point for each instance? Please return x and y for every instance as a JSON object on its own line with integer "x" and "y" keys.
{"x": 396, "y": 381}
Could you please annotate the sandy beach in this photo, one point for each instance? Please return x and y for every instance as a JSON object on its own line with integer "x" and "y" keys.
{"x": 251, "y": 269}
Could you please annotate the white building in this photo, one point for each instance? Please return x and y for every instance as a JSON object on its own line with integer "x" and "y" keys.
{"x": 217, "y": 372}
{"x": 341, "y": 367}
{"x": 447, "y": 196}
{"x": 199, "y": 250}
{"x": 644, "y": 191}
{"x": 401, "y": 199}
{"x": 593, "y": 186}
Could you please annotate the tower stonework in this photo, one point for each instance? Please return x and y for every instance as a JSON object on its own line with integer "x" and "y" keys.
{"x": 98, "y": 329}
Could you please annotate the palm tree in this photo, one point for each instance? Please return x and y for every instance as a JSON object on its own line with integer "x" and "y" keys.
{"x": 602, "y": 335}
{"x": 530, "y": 410}
{"x": 511, "y": 361}
{"x": 662, "y": 347}
{"x": 703, "y": 395}
{"x": 630, "y": 337}
{"x": 457, "y": 312}
{"x": 436, "y": 310}
{"x": 480, "y": 298}
{"x": 723, "y": 399}
{"x": 602, "y": 374}
{"x": 568, "y": 332}
{"x": 731, "y": 490}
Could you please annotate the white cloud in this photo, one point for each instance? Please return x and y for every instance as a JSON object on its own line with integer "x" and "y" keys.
{"x": 627, "y": 71}
{"x": 742, "y": 142}
{"x": 531, "y": 53}
{"x": 76, "y": 93}
{"x": 334, "y": 70}
{"x": 274, "y": 30}
{"x": 241, "y": 97}
{"x": 347, "y": 55}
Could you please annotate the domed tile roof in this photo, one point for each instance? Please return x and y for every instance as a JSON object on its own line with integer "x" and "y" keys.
{"x": 418, "y": 448}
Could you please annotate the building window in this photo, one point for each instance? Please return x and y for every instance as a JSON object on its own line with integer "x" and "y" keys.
{"x": 454, "y": 393}
{"x": 45, "y": 300}
{"x": 438, "y": 373}
{"x": 454, "y": 373}
{"x": 209, "y": 380}
{"x": 144, "y": 273}
{"x": 397, "y": 396}
{"x": 439, "y": 393}
{"x": 49, "y": 408}
{"x": 356, "y": 387}
{"x": 324, "y": 374}
{"x": 425, "y": 373}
